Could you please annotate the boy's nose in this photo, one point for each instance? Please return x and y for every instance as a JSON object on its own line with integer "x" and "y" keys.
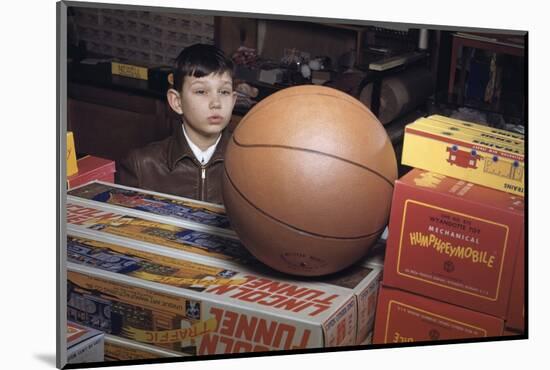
{"x": 215, "y": 102}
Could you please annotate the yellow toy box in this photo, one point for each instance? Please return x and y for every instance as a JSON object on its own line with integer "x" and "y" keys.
{"x": 466, "y": 151}
{"x": 72, "y": 167}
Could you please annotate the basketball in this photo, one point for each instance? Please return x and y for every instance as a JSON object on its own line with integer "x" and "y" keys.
{"x": 308, "y": 180}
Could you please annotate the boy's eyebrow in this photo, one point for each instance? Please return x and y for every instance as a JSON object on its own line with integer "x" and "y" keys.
{"x": 225, "y": 82}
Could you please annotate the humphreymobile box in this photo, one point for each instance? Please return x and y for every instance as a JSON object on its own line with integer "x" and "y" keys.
{"x": 120, "y": 349}
{"x": 454, "y": 241}
{"x": 84, "y": 344}
{"x": 198, "y": 308}
{"x": 403, "y": 317}
{"x": 515, "y": 319}
{"x": 92, "y": 168}
{"x": 184, "y": 211}
{"x": 465, "y": 153}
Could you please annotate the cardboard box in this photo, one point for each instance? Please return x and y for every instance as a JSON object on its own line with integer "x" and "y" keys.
{"x": 154, "y": 231}
{"x": 195, "y": 306}
{"x": 104, "y": 222}
{"x": 515, "y": 318}
{"x": 84, "y": 344}
{"x": 490, "y": 132}
{"x": 362, "y": 281}
{"x": 184, "y": 212}
{"x": 454, "y": 241}
{"x": 92, "y": 168}
{"x": 129, "y": 70}
{"x": 464, "y": 153}
{"x": 403, "y": 317}
{"x": 120, "y": 349}
{"x": 72, "y": 167}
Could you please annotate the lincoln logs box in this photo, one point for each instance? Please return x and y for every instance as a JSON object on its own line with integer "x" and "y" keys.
{"x": 84, "y": 344}
{"x": 193, "y": 288}
{"x": 454, "y": 241}
{"x": 467, "y": 151}
{"x": 403, "y": 317}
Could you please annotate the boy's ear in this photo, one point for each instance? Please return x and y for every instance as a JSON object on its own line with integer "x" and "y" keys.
{"x": 174, "y": 100}
{"x": 234, "y": 98}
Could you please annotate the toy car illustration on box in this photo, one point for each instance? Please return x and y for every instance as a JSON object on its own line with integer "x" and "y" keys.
{"x": 463, "y": 158}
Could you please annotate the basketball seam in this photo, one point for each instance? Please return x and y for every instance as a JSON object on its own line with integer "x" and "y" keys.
{"x": 358, "y": 104}
{"x": 314, "y": 152}
{"x": 294, "y": 227}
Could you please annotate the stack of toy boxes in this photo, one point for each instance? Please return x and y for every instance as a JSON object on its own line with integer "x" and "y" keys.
{"x": 454, "y": 263}
{"x": 152, "y": 270}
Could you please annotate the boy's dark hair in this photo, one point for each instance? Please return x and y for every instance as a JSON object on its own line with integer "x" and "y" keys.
{"x": 200, "y": 60}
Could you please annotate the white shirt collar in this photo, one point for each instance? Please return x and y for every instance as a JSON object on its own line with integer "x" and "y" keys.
{"x": 202, "y": 156}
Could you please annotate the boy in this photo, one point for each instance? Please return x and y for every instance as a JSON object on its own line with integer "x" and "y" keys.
{"x": 190, "y": 162}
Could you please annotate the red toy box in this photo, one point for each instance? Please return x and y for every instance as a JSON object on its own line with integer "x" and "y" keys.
{"x": 515, "y": 319}
{"x": 92, "y": 168}
{"x": 454, "y": 241}
{"x": 405, "y": 317}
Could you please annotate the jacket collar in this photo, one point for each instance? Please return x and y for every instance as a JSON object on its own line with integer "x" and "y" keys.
{"x": 180, "y": 149}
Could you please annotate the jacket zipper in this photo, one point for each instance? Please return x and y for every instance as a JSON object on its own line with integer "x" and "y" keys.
{"x": 203, "y": 180}
{"x": 202, "y": 189}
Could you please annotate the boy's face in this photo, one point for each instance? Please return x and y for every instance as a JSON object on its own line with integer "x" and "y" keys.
{"x": 206, "y": 103}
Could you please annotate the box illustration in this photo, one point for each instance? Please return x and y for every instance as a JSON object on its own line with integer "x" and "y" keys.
{"x": 405, "y": 317}
{"x": 193, "y": 308}
{"x": 84, "y": 344}
{"x": 183, "y": 209}
{"x": 255, "y": 316}
{"x": 103, "y": 219}
{"x": 153, "y": 267}
{"x": 465, "y": 154}
{"x": 454, "y": 241}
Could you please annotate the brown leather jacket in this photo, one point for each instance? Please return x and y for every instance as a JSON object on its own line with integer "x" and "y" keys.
{"x": 169, "y": 166}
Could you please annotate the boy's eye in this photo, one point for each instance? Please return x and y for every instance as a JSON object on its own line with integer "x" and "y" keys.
{"x": 225, "y": 92}
{"x": 200, "y": 92}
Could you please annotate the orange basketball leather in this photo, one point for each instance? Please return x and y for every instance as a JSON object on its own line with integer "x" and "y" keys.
{"x": 309, "y": 180}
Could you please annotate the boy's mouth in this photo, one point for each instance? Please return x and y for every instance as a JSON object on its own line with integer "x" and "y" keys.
{"x": 215, "y": 118}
